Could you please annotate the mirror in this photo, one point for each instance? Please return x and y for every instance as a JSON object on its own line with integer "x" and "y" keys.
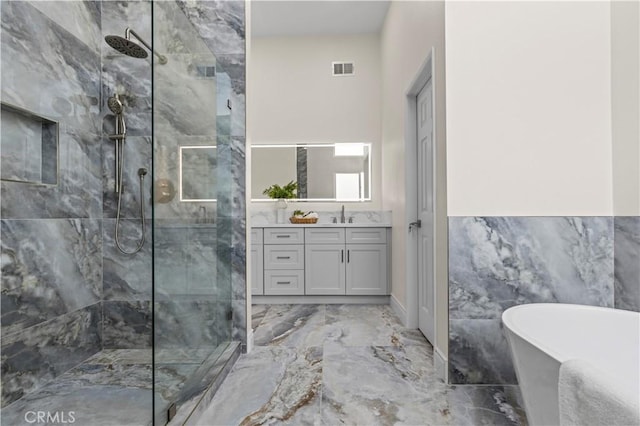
{"x": 324, "y": 172}
{"x": 197, "y": 173}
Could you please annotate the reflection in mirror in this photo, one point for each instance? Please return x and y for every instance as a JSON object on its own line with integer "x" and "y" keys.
{"x": 324, "y": 172}
{"x": 197, "y": 173}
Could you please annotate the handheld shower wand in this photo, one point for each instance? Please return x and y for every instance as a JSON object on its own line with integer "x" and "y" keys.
{"x": 116, "y": 107}
{"x": 119, "y": 137}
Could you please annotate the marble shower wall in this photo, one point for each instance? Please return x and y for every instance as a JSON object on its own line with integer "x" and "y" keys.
{"x": 499, "y": 262}
{"x": 127, "y": 278}
{"x": 626, "y": 231}
{"x": 52, "y": 235}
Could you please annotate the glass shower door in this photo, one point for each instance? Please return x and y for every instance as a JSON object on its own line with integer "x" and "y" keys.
{"x": 191, "y": 253}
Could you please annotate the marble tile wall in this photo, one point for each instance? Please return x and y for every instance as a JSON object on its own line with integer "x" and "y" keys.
{"x": 52, "y": 235}
{"x": 626, "y": 235}
{"x": 127, "y": 282}
{"x": 47, "y": 76}
{"x": 499, "y": 262}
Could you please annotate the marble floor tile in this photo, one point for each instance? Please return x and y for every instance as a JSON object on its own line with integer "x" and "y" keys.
{"x": 91, "y": 393}
{"x": 380, "y": 385}
{"x": 292, "y": 326}
{"x": 278, "y": 385}
{"x": 367, "y": 325}
{"x": 114, "y": 387}
{"x": 257, "y": 314}
{"x": 365, "y": 369}
{"x": 121, "y": 356}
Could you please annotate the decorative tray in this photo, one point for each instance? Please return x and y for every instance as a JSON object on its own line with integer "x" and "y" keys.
{"x": 303, "y": 219}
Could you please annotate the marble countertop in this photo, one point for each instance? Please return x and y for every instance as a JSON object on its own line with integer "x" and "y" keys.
{"x": 324, "y": 225}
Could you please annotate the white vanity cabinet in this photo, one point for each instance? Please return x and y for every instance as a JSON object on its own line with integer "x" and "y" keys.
{"x": 321, "y": 261}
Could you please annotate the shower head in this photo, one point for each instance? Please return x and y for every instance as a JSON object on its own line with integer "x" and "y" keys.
{"x": 115, "y": 105}
{"x": 125, "y": 46}
{"x": 129, "y": 48}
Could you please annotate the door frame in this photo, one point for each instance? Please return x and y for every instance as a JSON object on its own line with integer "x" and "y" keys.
{"x": 423, "y": 75}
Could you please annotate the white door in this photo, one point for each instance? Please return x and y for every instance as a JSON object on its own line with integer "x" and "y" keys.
{"x": 426, "y": 284}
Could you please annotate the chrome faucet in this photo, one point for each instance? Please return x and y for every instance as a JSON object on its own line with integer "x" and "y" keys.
{"x": 342, "y": 219}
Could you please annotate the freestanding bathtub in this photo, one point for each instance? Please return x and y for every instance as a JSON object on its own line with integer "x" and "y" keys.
{"x": 544, "y": 335}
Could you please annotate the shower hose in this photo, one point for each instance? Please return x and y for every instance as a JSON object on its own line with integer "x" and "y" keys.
{"x": 141, "y": 173}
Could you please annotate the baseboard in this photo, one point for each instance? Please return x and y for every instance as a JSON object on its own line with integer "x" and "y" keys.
{"x": 300, "y": 300}
{"x": 441, "y": 365}
{"x": 398, "y": 309}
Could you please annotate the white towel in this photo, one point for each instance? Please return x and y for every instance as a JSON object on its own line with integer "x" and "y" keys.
{"x": 588, "y": 397}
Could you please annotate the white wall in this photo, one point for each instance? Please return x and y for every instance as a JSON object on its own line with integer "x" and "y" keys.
{"x": 294, "y": 97}
{"x": 529, "y": 108}
{"x": 410, "y": 31}
{"x": 625, "y": 97}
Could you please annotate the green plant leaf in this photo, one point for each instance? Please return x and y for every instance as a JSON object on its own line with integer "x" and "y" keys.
{"x": 276, "y": 191}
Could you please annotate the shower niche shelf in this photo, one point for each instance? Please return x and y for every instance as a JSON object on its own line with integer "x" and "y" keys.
{"x": 29, "y": 146}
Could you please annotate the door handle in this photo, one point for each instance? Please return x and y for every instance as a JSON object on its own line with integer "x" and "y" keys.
{"x": 348, "y": 256}
{"x": 342, "y": 255}
{"x": 417, "y": 224}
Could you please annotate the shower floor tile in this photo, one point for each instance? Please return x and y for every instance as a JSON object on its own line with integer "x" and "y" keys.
{"x": 112, "y": 388}
{"x": 348, "y": 364}
{"x": 93, "y": 394}
{"x": 121, "y": 356}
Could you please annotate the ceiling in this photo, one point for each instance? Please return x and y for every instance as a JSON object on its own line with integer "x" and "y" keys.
{"x": 316, "y": 17}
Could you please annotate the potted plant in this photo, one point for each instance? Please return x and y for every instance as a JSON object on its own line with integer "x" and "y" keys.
{"x": 282, "y": 194}
{"x": 278, "y": 192}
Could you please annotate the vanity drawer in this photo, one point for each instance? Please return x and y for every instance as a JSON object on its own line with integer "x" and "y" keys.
{"x": 366, "y": 235}
{"x": 283, "y": 236}
{"x": 283, "y": 282}
{"x": 256, "y": 236}
{"x": 284, "y": 256}
{"x": 324, "y": 235}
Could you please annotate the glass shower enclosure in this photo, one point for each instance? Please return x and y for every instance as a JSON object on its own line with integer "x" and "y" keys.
{"x": 191, "y": 262}
{"x": 115, "y": 212}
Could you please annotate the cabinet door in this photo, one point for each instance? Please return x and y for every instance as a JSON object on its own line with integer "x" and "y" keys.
{"x": 324, "y": 271}
{"x": 257, "y": 269}
{"x": 367, "y": 269}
